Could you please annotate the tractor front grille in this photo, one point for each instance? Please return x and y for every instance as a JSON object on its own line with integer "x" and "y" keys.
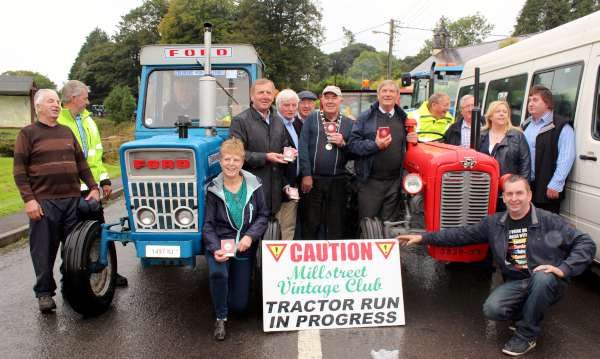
{"x": 465, "y": 198}
{"x": 163, "y": 198}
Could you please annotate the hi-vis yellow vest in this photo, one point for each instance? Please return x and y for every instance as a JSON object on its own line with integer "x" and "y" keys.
{"x": 94, "y": 143}
{"x": 426, "y": 122}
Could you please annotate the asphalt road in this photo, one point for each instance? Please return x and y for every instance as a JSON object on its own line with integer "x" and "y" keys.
{"x": 167, "y": 313}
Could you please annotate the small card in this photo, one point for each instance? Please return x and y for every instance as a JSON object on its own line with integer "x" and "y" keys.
{"x": 293, "y": 193}
{"x": 228, "y": 246}
{"x": 383, "y": 131}
{"x": 330, "y": 128}
{"x": 289, "y": 154}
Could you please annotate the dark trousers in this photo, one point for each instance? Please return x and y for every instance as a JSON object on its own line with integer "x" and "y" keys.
{"x": 380, "y": 198}
{"x": 325, "y": 205}
{"x": 230, "y": 283}
{"x": 553, "y": 207}
{"x": 45, "y": 236}
{"x": 525, "y": 301}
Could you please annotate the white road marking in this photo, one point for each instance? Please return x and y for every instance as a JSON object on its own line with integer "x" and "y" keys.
{"x": 309, "y": 344}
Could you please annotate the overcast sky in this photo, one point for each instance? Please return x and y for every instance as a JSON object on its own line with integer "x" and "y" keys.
{"x": 45, "y": 36}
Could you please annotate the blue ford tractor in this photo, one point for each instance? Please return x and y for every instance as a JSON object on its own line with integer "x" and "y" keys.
{"x": 188, "y": 96}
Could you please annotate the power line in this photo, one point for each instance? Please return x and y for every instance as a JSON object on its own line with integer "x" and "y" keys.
{"x": 356, "y": 33}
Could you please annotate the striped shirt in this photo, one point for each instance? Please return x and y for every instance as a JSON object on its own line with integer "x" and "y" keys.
{"x": 465, "y": 135}
{"x": 48, "y": 163}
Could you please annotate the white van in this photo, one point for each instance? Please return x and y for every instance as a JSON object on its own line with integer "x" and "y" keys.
{"x": 567, "y": 61}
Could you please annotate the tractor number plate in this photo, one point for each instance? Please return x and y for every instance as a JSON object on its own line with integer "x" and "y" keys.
{"x": 163, "y": 251}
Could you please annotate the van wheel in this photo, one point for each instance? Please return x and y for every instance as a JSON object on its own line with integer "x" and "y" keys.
{"x": 371, "y": 228}
{"x": 87, "y": 292}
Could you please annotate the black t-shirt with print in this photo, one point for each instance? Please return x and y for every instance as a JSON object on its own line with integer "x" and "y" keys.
{"x": 517, "y": 236}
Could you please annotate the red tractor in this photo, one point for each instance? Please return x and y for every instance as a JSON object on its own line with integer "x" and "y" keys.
{"x": 446, "y": 186}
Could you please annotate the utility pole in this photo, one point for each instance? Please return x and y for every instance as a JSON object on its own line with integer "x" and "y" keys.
{"x": 391, "y": 45}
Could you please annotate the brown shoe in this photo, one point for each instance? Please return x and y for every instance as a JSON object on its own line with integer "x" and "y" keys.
{"x": 46, "y": 304}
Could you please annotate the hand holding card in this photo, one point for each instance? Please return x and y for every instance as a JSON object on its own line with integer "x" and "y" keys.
{"x": 228, "y": 246}
{"x": 383, "y": 132}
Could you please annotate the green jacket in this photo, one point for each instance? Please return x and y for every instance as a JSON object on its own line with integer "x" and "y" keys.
{"x": 94, "y": 151}
{"x": 426, "y": 122}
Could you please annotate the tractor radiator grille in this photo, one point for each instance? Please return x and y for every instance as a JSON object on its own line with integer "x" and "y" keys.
{"x": 163, "y": 198}
{"x": 465, "y": 198}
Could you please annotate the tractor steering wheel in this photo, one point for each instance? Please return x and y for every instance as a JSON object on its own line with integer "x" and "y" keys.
{"x": 442, "y": 138}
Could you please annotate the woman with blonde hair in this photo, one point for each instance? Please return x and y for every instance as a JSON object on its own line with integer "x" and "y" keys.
{"x": 506, "y": 143}
{"x": 236, "y": 216}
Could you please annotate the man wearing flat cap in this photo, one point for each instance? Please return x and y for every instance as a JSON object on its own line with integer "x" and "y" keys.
{"x": 306, "y": 105}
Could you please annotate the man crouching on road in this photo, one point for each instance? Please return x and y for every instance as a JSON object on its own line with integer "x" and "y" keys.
{"x": 537, "y": 251}
{"x": 47, "y": 167}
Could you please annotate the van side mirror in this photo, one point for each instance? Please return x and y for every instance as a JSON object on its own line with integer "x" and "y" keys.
{"x": 406, "y": 79}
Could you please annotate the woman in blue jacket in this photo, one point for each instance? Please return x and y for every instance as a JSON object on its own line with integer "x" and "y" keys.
{"x": 235, "y": 210}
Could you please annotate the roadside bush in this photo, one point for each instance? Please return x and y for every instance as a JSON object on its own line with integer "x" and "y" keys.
{"x": 7, "y": 142}
{"x": 119, "y": 104}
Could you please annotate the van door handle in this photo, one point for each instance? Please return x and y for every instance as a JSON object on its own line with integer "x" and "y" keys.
{"x": 587, "y": 158}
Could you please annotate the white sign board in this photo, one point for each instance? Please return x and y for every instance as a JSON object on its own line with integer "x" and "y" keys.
{"x": 331, "y": 284}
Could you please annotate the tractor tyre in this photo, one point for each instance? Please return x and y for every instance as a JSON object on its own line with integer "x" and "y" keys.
{"x": 88, "y": 293}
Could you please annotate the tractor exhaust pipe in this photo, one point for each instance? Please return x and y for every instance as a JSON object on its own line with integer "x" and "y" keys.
{"x": 476, "y": 115}
{"x": 208, "y": 87}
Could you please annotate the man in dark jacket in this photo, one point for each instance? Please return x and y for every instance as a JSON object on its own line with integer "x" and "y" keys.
{"x": 459, "y": 133}
{"x": 537, "y": 252}
{"x": 552, "y": 145}
{"x": 264, "y": 138}
{"x": 379, "y": 141}
{"x": 323, "y": 157}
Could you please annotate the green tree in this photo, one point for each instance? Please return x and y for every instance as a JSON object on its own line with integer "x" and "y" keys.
{"x": 184, "y": 21}
{"x": 95, "y": 38}
{"x": 283, "y": 32}
{"x": 136, "y": 29}
{"x": 342, "y": 81}
{"x": 542, "y": 15}
{"x": 369, "y": 65}
{"x": 41, "y": 81}
{"x": 343, "y": 59}
{"x": 120, "y": 104}
{"x": 469, "y": 30}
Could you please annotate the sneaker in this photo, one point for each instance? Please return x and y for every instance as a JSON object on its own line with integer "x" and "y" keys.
{"x": 220, "y": 332}
{"x": 46, "y": 304}
{"x": 517, "y": 346}
{"x": 121, "y": 281}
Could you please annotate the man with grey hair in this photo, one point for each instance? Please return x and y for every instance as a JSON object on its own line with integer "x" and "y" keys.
{"x": 379, "y": 139}
{"x": 459, "y": 134}
{"x": 48, "y": 163}
{"x": 433, "y": 118}
{"x": 75, "y": 116}
{"x": 287, "y": 107}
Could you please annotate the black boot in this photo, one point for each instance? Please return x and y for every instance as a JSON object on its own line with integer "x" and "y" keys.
{"x": 120, "y": 281}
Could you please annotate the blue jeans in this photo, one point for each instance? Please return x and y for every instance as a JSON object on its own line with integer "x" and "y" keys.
{"x": 230, "y": 283}
{"x": 525, "y": 301}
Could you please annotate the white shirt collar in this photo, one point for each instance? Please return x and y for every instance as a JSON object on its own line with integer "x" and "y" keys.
{"x": 392, "y": 112}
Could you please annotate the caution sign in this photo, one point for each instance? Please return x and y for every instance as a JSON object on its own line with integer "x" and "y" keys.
{"x": 331, "y": 284}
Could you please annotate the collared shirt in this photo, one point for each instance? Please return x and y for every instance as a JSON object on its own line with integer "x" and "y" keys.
{"x": 391, "y": 113}
{"x": 266, "y": 117}
{"x": 566, "y": 150}
{"x": 465, "y": 134}
{"x": 289, "y": 126}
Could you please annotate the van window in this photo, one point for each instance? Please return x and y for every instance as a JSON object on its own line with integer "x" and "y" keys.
{"x": 510, "y": 89}
{"x": 465, "y": 90}
{"x": 596, "y": 120}
{"x": 564, "y": 83}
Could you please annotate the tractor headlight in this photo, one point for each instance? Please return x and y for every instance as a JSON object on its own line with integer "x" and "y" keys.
{"x": 184, "y": 217}
{"x": 413, "y": 183}
{"x": 146, "y": 217}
